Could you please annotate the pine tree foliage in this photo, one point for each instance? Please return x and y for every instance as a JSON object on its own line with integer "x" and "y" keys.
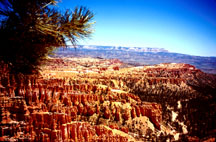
{"x": 32, "y": 29}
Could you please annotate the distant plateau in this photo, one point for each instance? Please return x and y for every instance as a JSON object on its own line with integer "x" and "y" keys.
{"x": 138, "y": 56}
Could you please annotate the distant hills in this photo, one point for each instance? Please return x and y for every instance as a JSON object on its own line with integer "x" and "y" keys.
{"x": 138, "y": 56}
{"x": 134, "y": 49}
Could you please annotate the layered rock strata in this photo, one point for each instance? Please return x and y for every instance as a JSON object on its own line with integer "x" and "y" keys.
{"x": 35, "y": 109}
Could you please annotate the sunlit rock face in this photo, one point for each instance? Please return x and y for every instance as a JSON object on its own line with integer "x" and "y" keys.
{"x": 85, "y": 99}
{"x": 40, "y": 109}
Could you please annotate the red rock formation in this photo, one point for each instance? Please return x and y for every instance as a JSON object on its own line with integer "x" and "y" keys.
{"x": 137, "y": 110}
{"x": 126, "y": 114}
{"x": 125, "y": 129}
{"x": 48, "y": 110}
{"x": 91, "y": 110}
{"x": 133, "y": 113}
{"x": 80, "y": 109}
{"x": 107, "y": 112}
{"x": 117, "y": 114}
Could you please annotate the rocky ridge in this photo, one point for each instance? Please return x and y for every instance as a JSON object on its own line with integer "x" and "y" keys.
{"x": 186, "y": 93}
{"x": 85, "y": 99}
{"x": 42, "y": 109}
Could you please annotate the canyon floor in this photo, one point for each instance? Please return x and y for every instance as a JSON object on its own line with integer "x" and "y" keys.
{"x": 106, "y": 100}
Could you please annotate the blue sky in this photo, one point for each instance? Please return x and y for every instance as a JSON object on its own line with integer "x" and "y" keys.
{"x": 182, "y": 26}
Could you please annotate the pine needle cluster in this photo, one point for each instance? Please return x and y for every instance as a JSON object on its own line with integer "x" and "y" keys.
{"x": 31, "y": 30}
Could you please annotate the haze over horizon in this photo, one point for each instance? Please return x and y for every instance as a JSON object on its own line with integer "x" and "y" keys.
{"x": 187, "y": 27}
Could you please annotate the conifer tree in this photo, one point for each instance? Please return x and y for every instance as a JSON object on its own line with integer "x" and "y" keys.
{"x": 32, "y": 29}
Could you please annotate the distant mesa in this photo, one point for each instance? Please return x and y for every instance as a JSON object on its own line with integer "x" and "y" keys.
{"x": 139, "y": 56}
{"x": 135, "y": 49}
